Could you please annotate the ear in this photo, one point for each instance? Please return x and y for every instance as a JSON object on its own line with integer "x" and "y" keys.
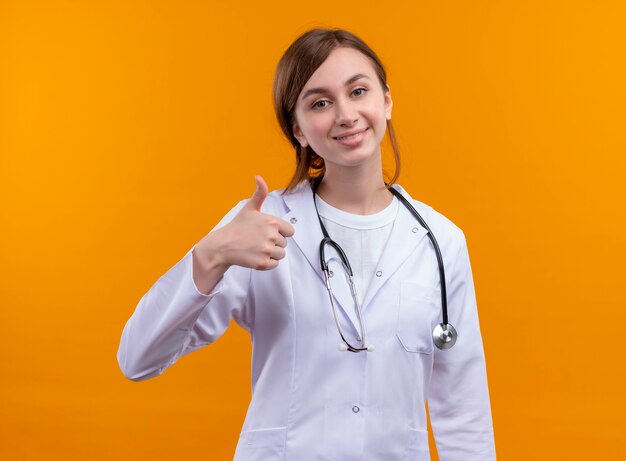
{"x": 388, "y": 103}
{"x": 297, "y": 132}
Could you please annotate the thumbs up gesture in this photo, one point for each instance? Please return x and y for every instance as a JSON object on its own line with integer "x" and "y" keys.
{"x": 260, "y": 193}
{"x": 252, "y": 239}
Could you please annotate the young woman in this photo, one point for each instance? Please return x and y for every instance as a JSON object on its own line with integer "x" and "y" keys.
{"x": 342, "y": 366}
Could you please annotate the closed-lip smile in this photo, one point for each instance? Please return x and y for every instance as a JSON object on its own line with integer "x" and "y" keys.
{"x": 349, "y": 133}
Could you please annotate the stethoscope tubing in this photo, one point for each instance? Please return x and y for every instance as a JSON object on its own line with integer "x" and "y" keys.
{"x": 444, "y": 334}
{"x": 442, "y": 274}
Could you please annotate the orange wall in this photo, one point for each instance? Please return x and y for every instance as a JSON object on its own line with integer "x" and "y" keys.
{"x": 127, "y": 129}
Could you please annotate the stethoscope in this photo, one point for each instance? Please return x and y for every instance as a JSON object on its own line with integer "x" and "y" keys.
{"x": 444, "y": 334}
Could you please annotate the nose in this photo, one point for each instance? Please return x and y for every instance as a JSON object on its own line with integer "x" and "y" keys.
{"x": 346, "y": 113}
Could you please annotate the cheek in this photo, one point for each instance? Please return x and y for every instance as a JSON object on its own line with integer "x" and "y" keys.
{"x": 378, "y": 119}
{"x": 319, "y": 127}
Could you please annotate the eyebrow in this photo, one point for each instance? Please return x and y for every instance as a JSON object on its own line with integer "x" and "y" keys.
{"x": 319, "y": 90}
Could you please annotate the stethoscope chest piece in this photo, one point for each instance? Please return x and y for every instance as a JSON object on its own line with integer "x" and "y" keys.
{"x": 444, "y": 336}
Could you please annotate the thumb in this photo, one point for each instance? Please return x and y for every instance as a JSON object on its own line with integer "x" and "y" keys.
{"x": 259, "y": 195}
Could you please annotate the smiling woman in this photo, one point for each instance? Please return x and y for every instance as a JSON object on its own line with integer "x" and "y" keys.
{"x": 343, "y": 115}
{"x": 341, "y": 371}
{"x": 300, "y": 63}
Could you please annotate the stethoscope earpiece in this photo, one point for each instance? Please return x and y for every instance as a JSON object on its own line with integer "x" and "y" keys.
{"x": 343, "y": 347}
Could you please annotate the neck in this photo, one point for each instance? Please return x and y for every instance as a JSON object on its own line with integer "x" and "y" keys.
{"x": 359, "y": 192}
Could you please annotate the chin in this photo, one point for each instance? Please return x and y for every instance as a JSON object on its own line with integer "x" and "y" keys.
{"x": 352, "y": 159}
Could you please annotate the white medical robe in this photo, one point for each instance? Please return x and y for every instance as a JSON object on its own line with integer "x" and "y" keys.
{"x": 310, "y": 401}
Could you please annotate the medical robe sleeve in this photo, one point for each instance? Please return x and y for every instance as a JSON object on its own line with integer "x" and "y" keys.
{"x": 173, "y": 318}
{"x": 458, "y": 399}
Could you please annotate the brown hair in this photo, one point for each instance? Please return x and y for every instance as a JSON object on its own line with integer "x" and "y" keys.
{"x": 294, "y": 69}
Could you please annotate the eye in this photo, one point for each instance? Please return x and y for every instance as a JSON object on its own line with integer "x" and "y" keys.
{"x": 359, "y": 91}
{"x": 319, "y": 104}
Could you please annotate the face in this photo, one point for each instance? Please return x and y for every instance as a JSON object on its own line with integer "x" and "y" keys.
{"x": 342, "y": 111}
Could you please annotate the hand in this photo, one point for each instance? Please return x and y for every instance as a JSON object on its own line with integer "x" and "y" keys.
{"x": 252, "y": 239}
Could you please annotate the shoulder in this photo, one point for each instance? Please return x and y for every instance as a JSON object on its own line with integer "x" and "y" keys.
{"x": 447, "y": 233}
{"x": 278, "y": 202}
{"x": 274, "y": 203}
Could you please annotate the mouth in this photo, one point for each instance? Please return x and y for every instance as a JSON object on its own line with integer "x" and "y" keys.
{"x": 350, "y": 136}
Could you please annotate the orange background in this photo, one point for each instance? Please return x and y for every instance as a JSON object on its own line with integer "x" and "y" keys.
{"x": 127, "y": 129}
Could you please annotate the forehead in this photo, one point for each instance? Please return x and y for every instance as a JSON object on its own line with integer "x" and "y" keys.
{"x": 339, "y": 66}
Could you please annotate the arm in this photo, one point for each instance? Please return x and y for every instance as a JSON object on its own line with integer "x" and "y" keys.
{"x": 193, "y": 303}
{"x": 163, "y": 326}
{"x": 458, "y": 400}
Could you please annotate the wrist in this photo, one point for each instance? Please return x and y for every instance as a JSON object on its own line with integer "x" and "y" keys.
{"x": 210, "y": 255}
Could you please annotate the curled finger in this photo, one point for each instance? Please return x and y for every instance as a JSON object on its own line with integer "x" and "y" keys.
{"x": 280, "y": 241}
{"x": 277, "y": 253}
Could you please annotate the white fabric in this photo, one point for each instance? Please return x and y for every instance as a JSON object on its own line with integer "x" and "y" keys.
{"x": 306, "y": 393}
{"x": 361, "y": 237}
